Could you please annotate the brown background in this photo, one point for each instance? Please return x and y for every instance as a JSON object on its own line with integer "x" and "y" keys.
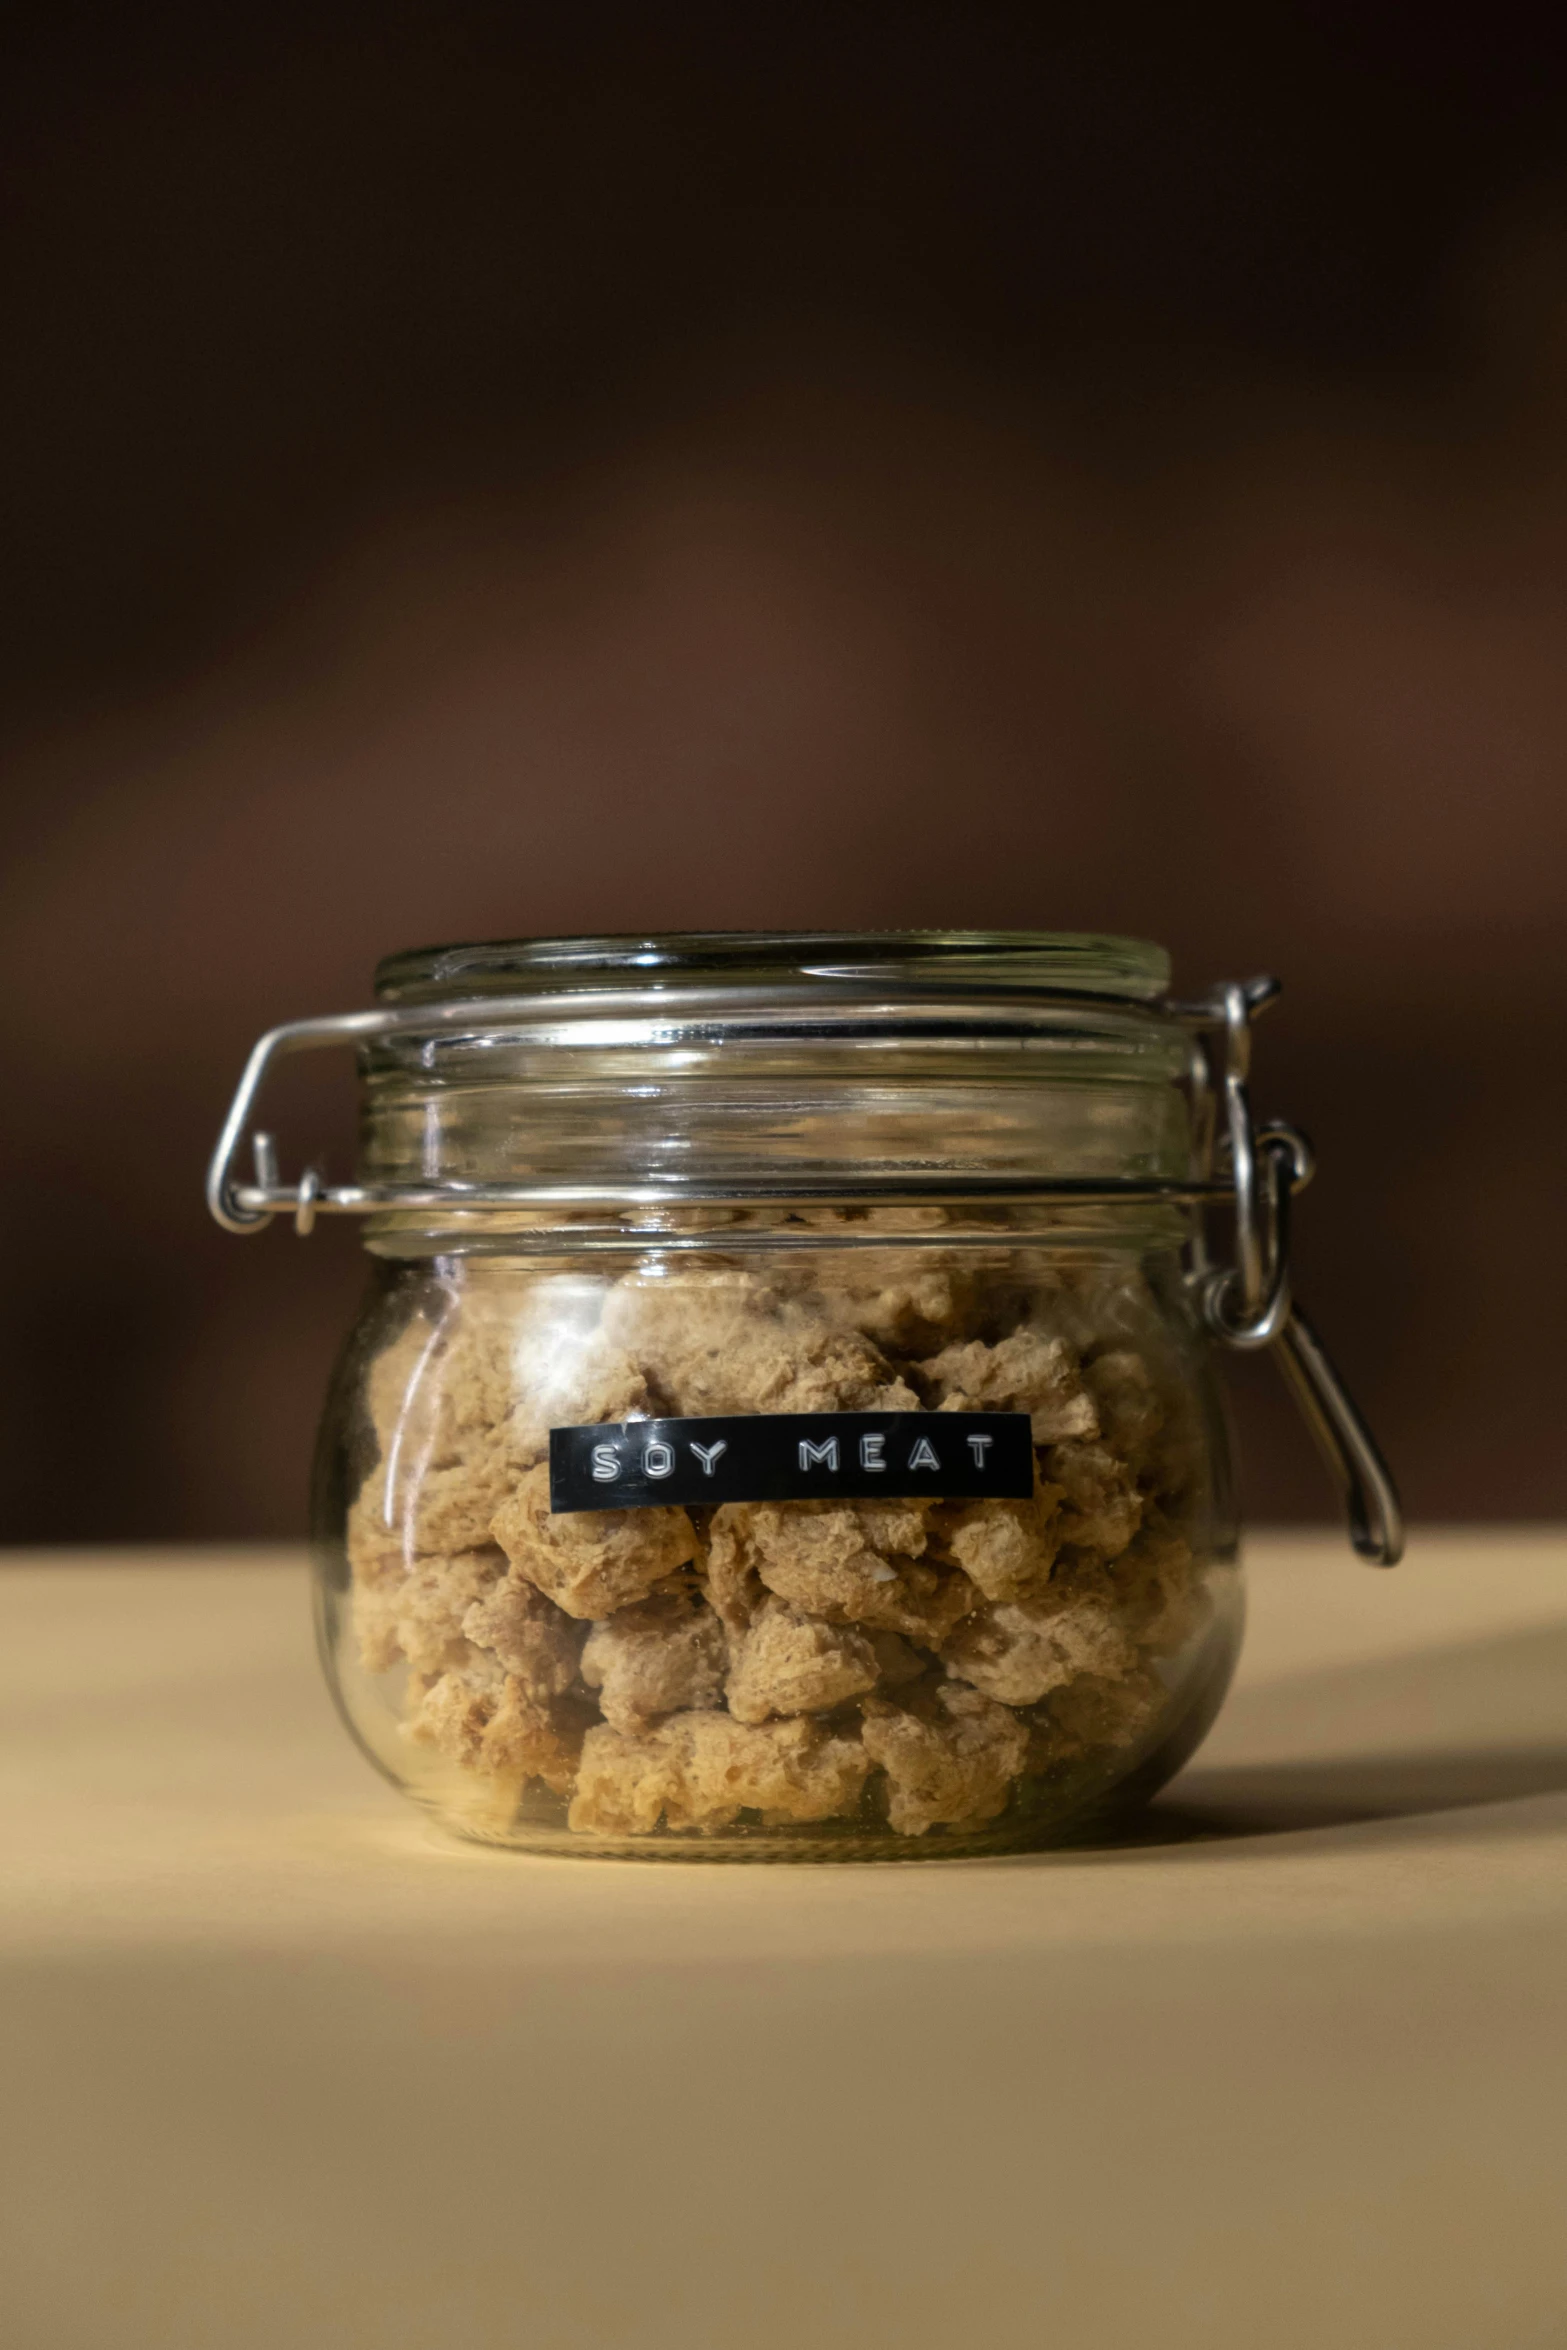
{"x": 485, "y": 471}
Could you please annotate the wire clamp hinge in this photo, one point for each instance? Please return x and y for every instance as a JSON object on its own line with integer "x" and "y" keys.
{"x": 1248, "y": 1304}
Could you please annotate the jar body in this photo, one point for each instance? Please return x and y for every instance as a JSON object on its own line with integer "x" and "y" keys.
{"x": 898, "y": 1674}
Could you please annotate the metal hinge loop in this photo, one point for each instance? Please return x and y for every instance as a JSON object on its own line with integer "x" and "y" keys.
{"x": 1248, "y": 1304}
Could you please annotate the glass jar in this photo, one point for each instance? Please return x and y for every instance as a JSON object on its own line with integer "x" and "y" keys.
{"x": 783, "y": 1422}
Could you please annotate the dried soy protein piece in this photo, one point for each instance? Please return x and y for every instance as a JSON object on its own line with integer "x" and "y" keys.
{"x": 851, "y": 1563}
{"x": 703, "y": 1770}
{"x": 451, "y": 1508}
{"x": 529, "y": 1738}
{"x": 1017, "y": 1651}
{"x": 490, "y": 1723}
{"x": 375, "y": 1548}
{"x": 788, "y": 1771}
{"x": 398, "y": 1399}
{"x": 788, "y": 1663}
{"x": 591, "y": 1384}
{"x": 1092, "y": 1716}
{"x": 773, "y": 1531}
{"x": 897, "y": 1664}
{"x": 911, "y": 1315}
{"x": 729, "y": 1579}
{"x": 1097, "y": 1306}
{"x": 950, "y": 1760}
{"x": 529, "y": 1635}
{"x": 520, "y": 1361}
{"x": 419, "y": 1612}
{"x": 475, "y": 1409}
{"x": 659, "y": 1656}
{"x": 591, "y": 1562}
{"x": 1028, "y": 1372}
{"x": 602, "y": 1385}
{"x": 452, "y": 1710}
{"x": 630, "y": 1784}
{"x": 408, "y": 1508}
{"x": 910, "y": 1302}
{"x": 375, "y": 1555}
{"x": 736, "y": 1345}
{"x": 1130, "y": 1408}
{"x": 1006, "y": 1548}
{"x": 1159, "y": 1587}
{"x": 1101, "y": 1507}
{"x": 434, "y": 1487}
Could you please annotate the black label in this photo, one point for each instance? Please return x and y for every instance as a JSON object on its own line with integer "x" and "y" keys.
{"x": 792, "y": 1456}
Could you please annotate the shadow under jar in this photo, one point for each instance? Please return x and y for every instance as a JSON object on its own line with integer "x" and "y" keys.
{"x": 783, "y": 1422}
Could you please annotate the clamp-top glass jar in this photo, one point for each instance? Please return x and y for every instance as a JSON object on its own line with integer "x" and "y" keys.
{"x": 782, "y": 1425}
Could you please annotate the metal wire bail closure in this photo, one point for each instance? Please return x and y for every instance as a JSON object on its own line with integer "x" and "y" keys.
{"x": 1247, "y": 1304}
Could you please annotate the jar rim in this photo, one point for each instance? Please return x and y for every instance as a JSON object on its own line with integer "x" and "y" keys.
{"x": 997, "y": 963}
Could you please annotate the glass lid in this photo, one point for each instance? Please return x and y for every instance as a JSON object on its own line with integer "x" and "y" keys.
{"x": 955, "y": 962}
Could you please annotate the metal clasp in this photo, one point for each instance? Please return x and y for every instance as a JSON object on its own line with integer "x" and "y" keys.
{"x": 245, "y": 1207}
{"x": 1248, "y": 1304}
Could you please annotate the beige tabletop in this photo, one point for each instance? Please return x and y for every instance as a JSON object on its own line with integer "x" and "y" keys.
{"x": 278, "y": 2065}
